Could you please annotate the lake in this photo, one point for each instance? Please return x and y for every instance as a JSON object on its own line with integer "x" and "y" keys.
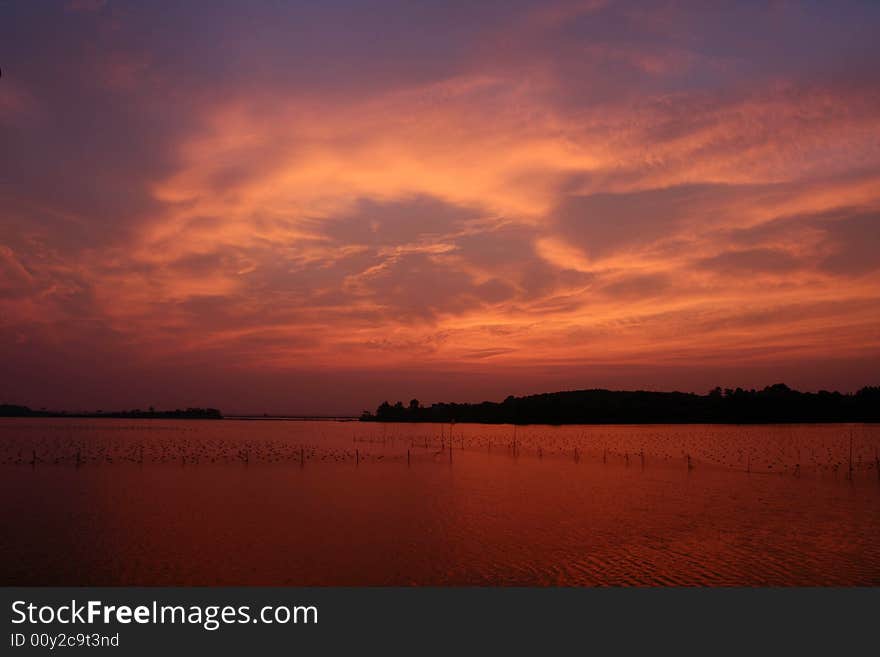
{"x": 272, "y": 502}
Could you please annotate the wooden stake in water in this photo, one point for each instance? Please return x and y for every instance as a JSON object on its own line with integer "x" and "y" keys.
{"x": 850, "y": 471}
{"x": 357, "y": 457}
{"x": 407, "y": 457}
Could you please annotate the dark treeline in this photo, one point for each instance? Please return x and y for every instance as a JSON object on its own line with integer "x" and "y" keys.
{"x": 776, "y": 403}
{"x": 11, "y": 410}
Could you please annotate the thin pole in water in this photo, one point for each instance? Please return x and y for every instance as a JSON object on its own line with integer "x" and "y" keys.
{"x": 357, "y": 457}
{"x": 407, "y": 457}
{"x": 850, "y": 471}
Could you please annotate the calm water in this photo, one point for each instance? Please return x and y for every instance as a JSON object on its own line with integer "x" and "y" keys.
{"x": 325, "y": 503}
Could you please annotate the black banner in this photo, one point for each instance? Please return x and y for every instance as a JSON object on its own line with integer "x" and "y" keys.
{"x": 145, "y": 621}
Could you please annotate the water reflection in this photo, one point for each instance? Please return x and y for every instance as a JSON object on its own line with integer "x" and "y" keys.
{"x": 326, "y": 503}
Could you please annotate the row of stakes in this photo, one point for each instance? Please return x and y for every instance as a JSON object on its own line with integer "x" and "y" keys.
{"x": 514, "y": 446}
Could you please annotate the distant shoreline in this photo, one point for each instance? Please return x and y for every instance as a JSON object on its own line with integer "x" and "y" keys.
{"x": 13, "y": 410}
{"x": 284, "y": 418}
{"x": 296, "y": 418}
{"x": 776, "y": 404}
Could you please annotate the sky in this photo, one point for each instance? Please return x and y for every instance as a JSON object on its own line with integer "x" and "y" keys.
{"x": 302, "y": 207}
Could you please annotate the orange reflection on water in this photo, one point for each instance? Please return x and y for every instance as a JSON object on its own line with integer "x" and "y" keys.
{"x": 162, "y": 503}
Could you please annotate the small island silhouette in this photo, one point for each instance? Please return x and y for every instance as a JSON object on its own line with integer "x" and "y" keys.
{"x": 13, "y": 410}
{"x": 775, "y": 403}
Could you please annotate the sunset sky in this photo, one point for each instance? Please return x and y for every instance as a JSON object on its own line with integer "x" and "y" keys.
{"x": 313, "y": 207}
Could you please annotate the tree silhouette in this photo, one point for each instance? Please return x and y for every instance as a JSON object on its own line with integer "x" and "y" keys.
{"x": 775, "y": 403}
